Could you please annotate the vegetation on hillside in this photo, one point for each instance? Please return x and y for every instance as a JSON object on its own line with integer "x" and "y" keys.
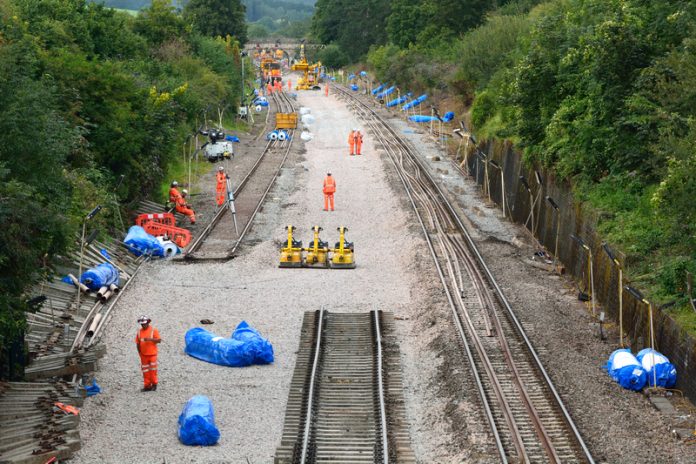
{"x": 88, "y": 95}
{"x": 601, "y": 91}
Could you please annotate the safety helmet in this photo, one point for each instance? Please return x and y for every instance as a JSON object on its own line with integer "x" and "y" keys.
{"x": 355, "y": 129}
{"x": 328, "y": 173}
{"x": 175, "y": 183}
{"x": 220, "y": 168}
{"x": 143, "y": 320}
{"x": 184, "y": 192}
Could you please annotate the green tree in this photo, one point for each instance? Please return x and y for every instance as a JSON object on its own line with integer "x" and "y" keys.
{"x": 217, "y": 18}
{"x": 160, "y": 22}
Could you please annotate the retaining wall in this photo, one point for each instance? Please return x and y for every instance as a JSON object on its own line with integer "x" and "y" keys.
{"x": 670, "y": 339}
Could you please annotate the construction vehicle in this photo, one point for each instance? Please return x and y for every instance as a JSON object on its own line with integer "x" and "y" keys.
{"x": 270, "y": 68}
{"x": 310, "y": 77}
{"x": 343, "y": 254}
{"x": 318, "y": 253}
{"x": 291, "y": 252}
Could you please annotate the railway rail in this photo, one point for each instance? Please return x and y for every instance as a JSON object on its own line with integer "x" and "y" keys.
{"x": 345, "y": 402}
{"x": 527, "y": 417}
{"x": 219, "y": 241}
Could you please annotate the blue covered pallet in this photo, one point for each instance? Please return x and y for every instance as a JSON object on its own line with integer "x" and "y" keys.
{"x": 660, "y": 372}
{"x": 197, "y": 423}
{"x": 244, "y": 348}
{"x": 625, "y": 369}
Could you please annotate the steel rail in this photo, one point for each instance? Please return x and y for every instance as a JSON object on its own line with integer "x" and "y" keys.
{"x": 380, "y": 391}
{"x": 500, "y": 296}
{"x": 283, "y": 103}
{"x": 312, "y": 383}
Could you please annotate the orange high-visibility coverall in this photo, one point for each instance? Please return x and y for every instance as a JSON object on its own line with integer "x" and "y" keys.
{"x": 351, "y": 142}
{"x": 329, "y": 190}
{"x": 326, "y": 89}
{"x": 148, "y": 354}
{"x": 269, "y": 89}
{"x": 174, "y": 194}
{"x": 220, "y": 188}
{"x": 185, "y": 209}
{"x": 358, "y": 142}
{"x": 278, "y": 86}
{"x": 289, "y": 85}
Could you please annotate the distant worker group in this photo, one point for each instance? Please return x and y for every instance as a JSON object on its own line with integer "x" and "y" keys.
{"x": 179, "y": 200}
{"x": 355, "y": 141}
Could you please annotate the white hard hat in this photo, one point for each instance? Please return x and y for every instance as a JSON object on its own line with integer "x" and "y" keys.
{"x": 355, "y": 129}
{"x": 174, "y": 183}
{"x": 220, "y": 168}
{"x": 185, "y": 192}
{"x": 143, "y": 320}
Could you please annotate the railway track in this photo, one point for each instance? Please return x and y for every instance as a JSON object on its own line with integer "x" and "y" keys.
{"x": 528, "y": 421}
{"x": 219, "y": 240}
{"x": 345, "y": 402}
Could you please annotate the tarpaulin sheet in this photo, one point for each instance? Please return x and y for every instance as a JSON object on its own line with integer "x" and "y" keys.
{"x": 140, "y": 242}
{"x": 197, "y": 423}
{"x": 100, "y": 276}
{"x": 625, "y": 369}
{"x": 244, "y": 348}
{"x": 660, "y": 371}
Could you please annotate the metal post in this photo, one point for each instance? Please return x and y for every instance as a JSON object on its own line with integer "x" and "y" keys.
{"x": 558, "y": 228}
{"x": 615, "y": 260}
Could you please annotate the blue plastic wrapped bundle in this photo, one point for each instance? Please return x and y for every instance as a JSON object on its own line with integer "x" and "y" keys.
{"x": 415, "y": 102}
{"x": 246, "y": 347}
{"x": 448, "y": 116}
{"x": 660, "y": 371}
{"x": 232, "y": 138}
{"x": 197, "y": 423}
{"x": 363, "y": 74}
{"x": 377, "y": 90}
{"x": 399, "y": 101}
{"x": 351, "y": 77}
{"x": 101, "y": 276}
{"x": 422, "y": 118}
{"x": 354, "y": 87}
{"x": 625, "y": 369}
{"x": 140, "y": 242}
{"x": 93, "y": 389}
{"x": 389, "y": 91}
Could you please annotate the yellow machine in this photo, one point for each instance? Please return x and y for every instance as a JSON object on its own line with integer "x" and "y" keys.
{"x": 343, "y": 254}
{"x": 318, "y": 254}
{"x": 310, "y": 78}
{"x": 291, "y": 252}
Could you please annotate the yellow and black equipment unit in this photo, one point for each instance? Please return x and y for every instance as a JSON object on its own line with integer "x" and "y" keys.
{"x": 318, "y": 253}
{"x": 310, "y": 72}
{"x": 343, "y": 255}
{"x": 291, "y": 252}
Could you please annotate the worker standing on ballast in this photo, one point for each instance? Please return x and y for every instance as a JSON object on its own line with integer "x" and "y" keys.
{"x": 358, "y": 142}
{"x": 289, "y": 85}
{"x": 326, "y": 89}
{"x": 147, "y": 340}
{"x": 351, "y": 142}
{"x": 221, "y": 186}
{"x": 329, "y": 190}
{"x": 184, "y": 208}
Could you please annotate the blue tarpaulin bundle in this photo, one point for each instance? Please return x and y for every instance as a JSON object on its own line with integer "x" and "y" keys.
{"x": 244, "y": 348}
{"x": 354, "y": 88}
{"x": 101, "y": 276}
{"x": 377, "y": 90}
{"x": 398, "y": 101}
{"x": 389, "y": 91}
{"x": 660, "y": 371}
{"x": 422, "y": 118}
{"x": 232, "y": 138}
{"x": 140, "y": 242}
{"x": 415, "y": 102}
{"x": 625, "y": 369}
{"x": 197, "y": 423}
{"x": 448, "y": 116}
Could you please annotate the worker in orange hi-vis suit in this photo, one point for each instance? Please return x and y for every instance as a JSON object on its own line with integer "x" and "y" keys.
{"x": 351, "y": 141}
{"x": 326, "y": 89}
{"x": 289, "y": 85}
{"x": 146, "y": 340}
{"x": 358, "y": 142}
{"x": 278, "y": 85}
{"x": 174, "y": 192}
{"x": 269, "y": 89}
{"x": 221, "y": 186}
{"x": 184, "y": 208}
{"x": 329, "y": 190}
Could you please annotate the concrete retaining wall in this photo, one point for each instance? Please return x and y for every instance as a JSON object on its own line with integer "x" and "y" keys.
{"x": 670, "y": 339}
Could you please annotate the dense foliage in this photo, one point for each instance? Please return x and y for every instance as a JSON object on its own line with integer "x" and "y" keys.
{"x": 88, "y": 95}
{"x": 217, "y": 18}
{"x": 601, "y": 91}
